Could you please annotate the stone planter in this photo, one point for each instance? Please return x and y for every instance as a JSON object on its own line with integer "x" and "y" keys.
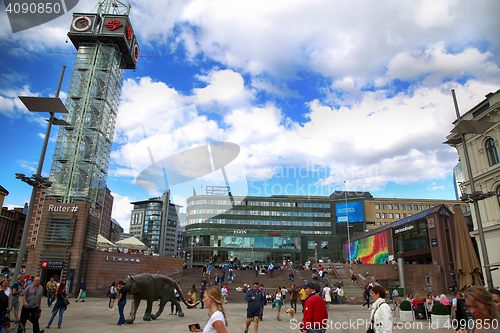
{"x": 440, "y": 321}
{"x": 406, "y": 316}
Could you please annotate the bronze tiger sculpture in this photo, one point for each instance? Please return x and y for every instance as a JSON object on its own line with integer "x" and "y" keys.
{"x": 151, "y": 287}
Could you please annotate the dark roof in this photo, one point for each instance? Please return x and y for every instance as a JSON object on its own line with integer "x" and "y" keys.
{"x": 350, "y": 195}
{"x": 418, "y": 216}
{"x": 3, "y": 190}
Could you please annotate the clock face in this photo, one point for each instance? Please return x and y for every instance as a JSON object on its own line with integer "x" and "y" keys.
{"x": 81, "y": 23}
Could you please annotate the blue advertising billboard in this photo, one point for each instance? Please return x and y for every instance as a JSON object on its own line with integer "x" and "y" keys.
{"x": 354, "y": 212}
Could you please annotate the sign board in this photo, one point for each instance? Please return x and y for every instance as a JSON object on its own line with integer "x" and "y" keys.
{"x": 434, "y": 242}
{"x": 431, "y": 223}
{"x": 53, "y": 264}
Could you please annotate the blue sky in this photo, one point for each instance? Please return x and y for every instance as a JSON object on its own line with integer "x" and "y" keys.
{"x": 314, "y": 93}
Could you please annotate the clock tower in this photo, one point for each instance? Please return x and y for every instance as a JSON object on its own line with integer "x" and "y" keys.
{"x": 78, "y": 205}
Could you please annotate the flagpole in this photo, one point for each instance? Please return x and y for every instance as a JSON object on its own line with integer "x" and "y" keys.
{"x": 347, "y": 220}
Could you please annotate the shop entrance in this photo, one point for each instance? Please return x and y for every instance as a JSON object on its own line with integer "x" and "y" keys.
{"x": 46, "y": 274}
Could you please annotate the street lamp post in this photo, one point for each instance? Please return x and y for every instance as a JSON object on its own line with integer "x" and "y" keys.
{"x": 251, "y": 258}
{"x": 39, "y": 104}
{"x": 316, "y": 252}
{"x": 482, "y": 241}
{"x": 184, "y": 257}
{"x": 348, "y": 231}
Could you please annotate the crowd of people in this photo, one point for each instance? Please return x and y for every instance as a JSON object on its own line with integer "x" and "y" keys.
{"x": 26, "y": 295}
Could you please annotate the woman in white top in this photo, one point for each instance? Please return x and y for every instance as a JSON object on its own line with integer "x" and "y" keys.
{"x": 213, "y": 302}
{"x": 278, "y": 301}
{"x": 381, "y": 315}
{"x": 4, "y": 288}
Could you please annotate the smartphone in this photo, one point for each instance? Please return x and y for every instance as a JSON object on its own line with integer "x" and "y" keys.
{"x": 197, "y": 326}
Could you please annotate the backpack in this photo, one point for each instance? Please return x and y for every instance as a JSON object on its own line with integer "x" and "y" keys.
{"x": 4, "y": 302}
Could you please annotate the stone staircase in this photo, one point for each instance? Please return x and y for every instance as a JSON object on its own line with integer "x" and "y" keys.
{"x": 194, "y": 275}
{"x": 351, "y": 289}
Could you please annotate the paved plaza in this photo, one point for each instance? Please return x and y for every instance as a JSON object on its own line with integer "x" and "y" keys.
{"x": 93, "y": 316}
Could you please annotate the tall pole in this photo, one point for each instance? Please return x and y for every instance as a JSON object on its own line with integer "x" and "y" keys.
{"x": 27, "y": 222}
{"x": 348, "y": 232}
{"x": 484, "y": 252}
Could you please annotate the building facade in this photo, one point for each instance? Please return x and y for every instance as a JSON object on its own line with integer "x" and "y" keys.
{"x": 11, "y": 228}
{"x": 427, "y": 237}
{"x": 155, "y": 222}
{"x": 485, "y": 166}
{"x": 268, "y": 229}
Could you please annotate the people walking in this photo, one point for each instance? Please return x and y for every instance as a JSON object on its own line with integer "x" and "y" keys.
{"x": 112, "y": 296}
{"x": 5, "y": 300}
{"x": 315, "y": 312}
{"x": 263, "y": 292}
{"x": 366, "y": 296}
{"x": 217, "y": 323}
{"x": 59, "y": 306}
{"x": 32, "y": 304}
{"x": 83, "y": 287}
{"x": 17, "y": 290}
{"x": 270, "y": 268}
{"x": 293, "y": 297}
{"x": 202, "y": 292}
{"x": 381, "y": 315}
{"x": 51, "y": 288}
{"x": 255, "y": 304}
{"x": 327, "y": 295}
{"x": 303, "y": 297}
{"x": 278, "y": 301}
{"x": 122, "y": 301}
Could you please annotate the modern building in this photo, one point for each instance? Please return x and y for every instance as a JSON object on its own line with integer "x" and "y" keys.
{"x": 485, "y": 166}
{"x": 78, "y": 205}
{"x": 180, "y": 231}
{"x": 155, "y": 222}
{"x": 427, "y": 237}
{"x": 382, "y": 211}
{"x": 266, "y": 229}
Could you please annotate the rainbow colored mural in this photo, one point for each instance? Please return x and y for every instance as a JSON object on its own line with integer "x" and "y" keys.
{"x": 371, "y": 250}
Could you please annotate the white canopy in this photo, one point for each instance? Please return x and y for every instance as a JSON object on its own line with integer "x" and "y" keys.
{"x": 103, "y": 242}
{"x": 131, "y": 243}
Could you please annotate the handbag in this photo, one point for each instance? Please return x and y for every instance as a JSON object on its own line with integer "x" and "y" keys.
{"x": 65, "y": 300}
{"x": 84, "y": 294}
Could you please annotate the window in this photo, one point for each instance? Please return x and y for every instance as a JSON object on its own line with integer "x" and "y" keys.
{"x": 396, "y": 207}
{"x": 409, "y": 207}
{"x": 377, "y": 215}
{"x": 379, "y": 223}
{"x": 452, "y": 208}
{"x": 427, "y": 206}
{"x": 491, "y": 151}
{"x": 389, "y": 207}
{"x": 384, "y": 215}
{"x": 377, "y": 206}
{"x": 383, "y": 206}
{"x": 415, "y": 207}
{"x": 421, "y": 207}
{"x": 403, "y": 215}
{"x": 464, "y": 209}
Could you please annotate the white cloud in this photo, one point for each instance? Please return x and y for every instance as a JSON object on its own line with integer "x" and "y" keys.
{"x": 122, "y": 208}
{"x": 30, "y": 166}
{"x": 225, "y": 88}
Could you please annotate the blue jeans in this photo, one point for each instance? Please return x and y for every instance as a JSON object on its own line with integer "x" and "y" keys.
{"x": 321, "y": 279}
{"x": 50, "y": 298}
{"x": 59, "y": 322}
{"x": 272, "y": 272}
{"x": 121, "y": 306}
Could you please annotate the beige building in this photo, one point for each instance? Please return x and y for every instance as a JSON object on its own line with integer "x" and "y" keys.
{"x": 380, "y": 211}
{"x": 485, "y": 167}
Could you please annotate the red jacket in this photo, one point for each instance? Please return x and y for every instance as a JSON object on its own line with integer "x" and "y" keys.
{"x": 315, "y": 313}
